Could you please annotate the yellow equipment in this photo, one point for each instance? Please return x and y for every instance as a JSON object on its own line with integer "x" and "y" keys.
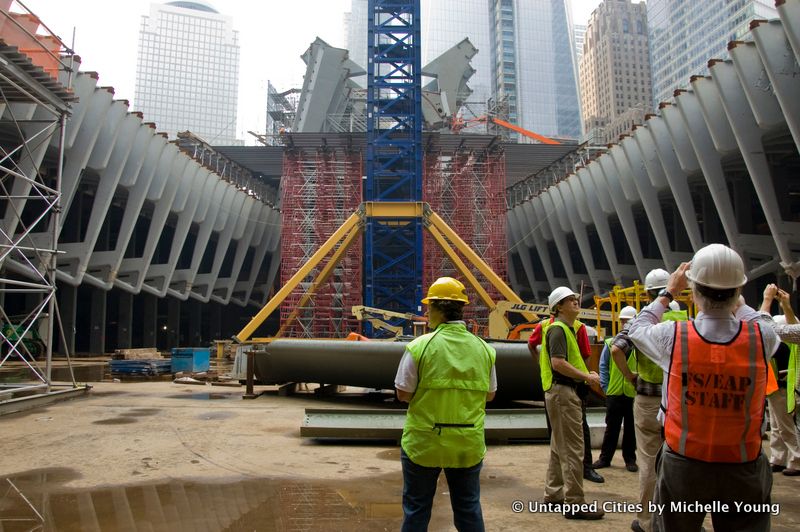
{"x": 636, "y": 297}
{"x": 345, "y": 235}
{"x": 377, "y": 318}
{"x": 500, "y": 327}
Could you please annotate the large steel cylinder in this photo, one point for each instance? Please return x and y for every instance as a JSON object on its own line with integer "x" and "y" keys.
{"x": 374, "y": 365}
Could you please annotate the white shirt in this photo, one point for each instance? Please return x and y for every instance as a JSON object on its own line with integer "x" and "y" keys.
{"x": 655, "y": 338}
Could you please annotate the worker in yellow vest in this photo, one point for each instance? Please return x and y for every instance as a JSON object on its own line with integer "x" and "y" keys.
{"x": 616, "y": 379}
{"x": 715, "y": 375}
{"x": 562, "y": 370}
{"x": 446, "y": 376}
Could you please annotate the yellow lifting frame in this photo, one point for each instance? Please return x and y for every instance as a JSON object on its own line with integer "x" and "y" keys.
{"x": 345, "y": 235}
{"x": 353, "y": 221}
{"x": 322, "y": 276}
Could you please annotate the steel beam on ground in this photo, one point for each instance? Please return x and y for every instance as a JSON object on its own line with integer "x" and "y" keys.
{"x": 385, "y": 424}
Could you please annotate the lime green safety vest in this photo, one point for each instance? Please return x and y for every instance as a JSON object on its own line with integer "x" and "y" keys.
{"x": 444, "y": 424}
{"x": 573, "y": 355}
{"x": 617, "y": 383}
{"x": 675, "y": 315}
{"x": 792, "y": 376}
{"x": 647, "y": 369}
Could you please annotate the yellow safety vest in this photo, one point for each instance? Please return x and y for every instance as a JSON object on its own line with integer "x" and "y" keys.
{"x": 444, "y": 423}
{"x": 573, "y": 355}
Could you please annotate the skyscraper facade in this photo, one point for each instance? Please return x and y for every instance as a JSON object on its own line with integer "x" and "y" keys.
{"x": 534, "y": 68}
{"x": 525, "y": 58}
{"x": 579, "y": 31}
{"x": 684, "y": 34}
{"x": 187, "y": 71}
{"x": 614, "y": 70}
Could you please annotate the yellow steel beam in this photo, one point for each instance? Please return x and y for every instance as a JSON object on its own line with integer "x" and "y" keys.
{"x": 479, "y": 263}
{"x": 291, "y": 284}
{"x": 460, "y": 266}
{"x": 322, "y": 277}
{"x": 393, "y": 209}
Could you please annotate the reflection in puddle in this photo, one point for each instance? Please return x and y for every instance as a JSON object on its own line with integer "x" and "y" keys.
{"x": 269, "y": 504}
{"x": 204, "y": 396}
{"x": 114, "y": 421}
{"x": 142, "y": 412}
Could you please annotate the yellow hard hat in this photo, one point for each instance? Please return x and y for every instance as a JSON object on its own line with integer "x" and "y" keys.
{"x": 446, "y": 289}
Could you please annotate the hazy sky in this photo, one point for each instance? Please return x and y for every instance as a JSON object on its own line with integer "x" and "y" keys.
{"x": 272, "y": 36}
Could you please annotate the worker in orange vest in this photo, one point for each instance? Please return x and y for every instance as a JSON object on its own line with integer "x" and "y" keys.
{"x": 715, "y": 374}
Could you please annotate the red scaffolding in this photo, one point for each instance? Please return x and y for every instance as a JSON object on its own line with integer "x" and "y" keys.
{"x": 319, "y": 193}
{"x": 467, "y": 189}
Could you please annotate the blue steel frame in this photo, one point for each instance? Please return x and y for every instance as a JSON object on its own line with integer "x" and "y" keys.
{"x": 393, "y": 248}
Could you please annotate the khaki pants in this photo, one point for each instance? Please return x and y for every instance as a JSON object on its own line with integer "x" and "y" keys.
{"x": 565, "y": 472}
{"x": 648, "y": 442}
{"x": 783, "y": 445}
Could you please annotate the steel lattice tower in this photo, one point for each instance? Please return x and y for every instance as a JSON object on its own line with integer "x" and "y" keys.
{"x": 393, "y": 247}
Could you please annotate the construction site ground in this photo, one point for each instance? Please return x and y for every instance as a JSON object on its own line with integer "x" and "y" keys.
{"x": 165, "y": 456}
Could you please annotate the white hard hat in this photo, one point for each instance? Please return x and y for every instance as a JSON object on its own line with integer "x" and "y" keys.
{"x": 780, "y": 319}
{"x": 627, "y": 313}
{"x": 656, "y": 279}
{"x": 717, "y": 266}
{"x": 558, "y": 294}
{"x": 673, "y": 305}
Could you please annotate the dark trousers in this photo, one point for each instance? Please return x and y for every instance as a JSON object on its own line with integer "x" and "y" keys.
{"x": 419, "y": 488}
{"x": 587, "y": 438}
{"x": 681, "y": 479}
{"x": 619, "y": 409}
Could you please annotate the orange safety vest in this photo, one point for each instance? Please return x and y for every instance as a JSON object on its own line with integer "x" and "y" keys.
{"x": 715, "y": 395}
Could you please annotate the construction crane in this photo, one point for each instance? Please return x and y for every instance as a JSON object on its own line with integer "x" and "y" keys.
{"x": 460, "y": 124}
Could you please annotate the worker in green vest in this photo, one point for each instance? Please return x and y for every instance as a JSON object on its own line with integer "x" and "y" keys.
{"x": 647, "y": 403}
{"x": 620, "y": 392}
{"x": 562, "y": 370}
{"x": 446, "y": 376}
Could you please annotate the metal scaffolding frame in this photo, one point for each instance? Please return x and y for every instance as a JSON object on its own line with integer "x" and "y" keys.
{"x": 320, "y": 191}
{"x": 35, "y": 107}
{"x": 467, "y": 190}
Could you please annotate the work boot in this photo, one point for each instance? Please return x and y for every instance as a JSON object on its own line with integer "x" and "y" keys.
{"x": 593, "y": 476}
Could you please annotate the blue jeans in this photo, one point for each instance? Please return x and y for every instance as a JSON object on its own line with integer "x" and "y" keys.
{"x": 419, "y": 487}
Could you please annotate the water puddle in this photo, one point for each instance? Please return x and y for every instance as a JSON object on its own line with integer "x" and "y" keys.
{"x": 115, "y": 421}
{"x": 38, "y": 500}
{"x": 205, "y": 396}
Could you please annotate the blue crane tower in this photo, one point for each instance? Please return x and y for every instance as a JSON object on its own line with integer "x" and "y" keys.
{"x": 393, "y": 215}
{"x": 393, "y": 246}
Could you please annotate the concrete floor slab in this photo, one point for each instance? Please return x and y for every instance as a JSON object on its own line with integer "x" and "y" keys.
{"x": 163, "y": 456}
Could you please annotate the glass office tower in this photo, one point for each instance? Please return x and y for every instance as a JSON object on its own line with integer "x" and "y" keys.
{"x": 534, "y": 65}
{"x": 187, "y": 71}
{"x": 685, "y": 34}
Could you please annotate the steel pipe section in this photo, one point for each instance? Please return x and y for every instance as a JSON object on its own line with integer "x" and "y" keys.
{"x": 716, "y": 164}
{"x": 374, "y": 365}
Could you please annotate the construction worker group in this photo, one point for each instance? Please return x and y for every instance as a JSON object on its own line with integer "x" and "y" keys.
{"x": 688, "y": 394}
